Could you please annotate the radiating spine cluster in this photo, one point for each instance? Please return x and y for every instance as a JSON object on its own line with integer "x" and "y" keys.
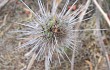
{"x": 51, "y": 32}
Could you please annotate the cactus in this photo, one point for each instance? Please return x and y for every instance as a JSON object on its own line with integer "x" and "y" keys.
{"x": 51, "y": 32}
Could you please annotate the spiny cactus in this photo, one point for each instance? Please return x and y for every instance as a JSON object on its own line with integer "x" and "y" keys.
{"x": 51, "y": 32}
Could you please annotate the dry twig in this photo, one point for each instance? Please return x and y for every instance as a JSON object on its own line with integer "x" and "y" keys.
{"x": 100, "y": 40}
{"x": 4, "y": 21}
{"x": 77, "y": 28}
{"x": 103, "y": 13}
{"x": 90, "y": 64}
{"x": 3, "y": 2}
{"x": 31, "y": 61}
